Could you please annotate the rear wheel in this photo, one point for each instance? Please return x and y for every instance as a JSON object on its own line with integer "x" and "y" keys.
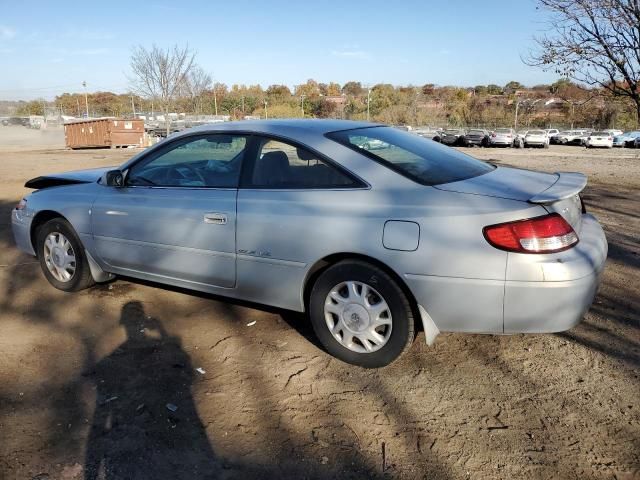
{"x": 361, "y": 315}
{"x": 62, "y": 256}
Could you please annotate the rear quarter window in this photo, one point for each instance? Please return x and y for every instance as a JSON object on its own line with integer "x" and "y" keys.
{"x": 422, "y": 160}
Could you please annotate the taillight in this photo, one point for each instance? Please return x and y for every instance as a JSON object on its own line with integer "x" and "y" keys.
{"x": 546, "y": 234}
{"x": 22, "y": 204}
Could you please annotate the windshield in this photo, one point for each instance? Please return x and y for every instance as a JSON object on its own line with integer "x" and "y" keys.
{"x": 417, "y": 158}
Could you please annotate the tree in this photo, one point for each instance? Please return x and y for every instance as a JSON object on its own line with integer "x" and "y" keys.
{"x": 353, "y": 89}
{"x": 197, "y": 81}
{"x": 159, "y": 74}
{"x": 279, "y": 92}
{"x": 513, "y": 85}
{"x": 595, "y": 42}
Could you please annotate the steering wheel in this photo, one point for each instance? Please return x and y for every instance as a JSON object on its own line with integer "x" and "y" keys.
{"x": 192, "y": 169}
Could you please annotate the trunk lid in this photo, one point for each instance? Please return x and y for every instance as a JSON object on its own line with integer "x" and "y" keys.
{"x": 557, "y": 192}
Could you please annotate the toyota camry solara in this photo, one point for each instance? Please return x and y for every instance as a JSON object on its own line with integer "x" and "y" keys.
{"x": 372, "y": 243}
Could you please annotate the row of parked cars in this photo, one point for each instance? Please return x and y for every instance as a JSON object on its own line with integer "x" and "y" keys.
{"x": 541, "y": 138}
{"x": 500, "y": 137}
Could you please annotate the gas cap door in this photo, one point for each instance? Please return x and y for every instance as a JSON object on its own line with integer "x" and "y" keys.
{"x": 401, "y": 235}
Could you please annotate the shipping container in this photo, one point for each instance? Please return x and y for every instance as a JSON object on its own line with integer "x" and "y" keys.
{"x": 104, "y": 133}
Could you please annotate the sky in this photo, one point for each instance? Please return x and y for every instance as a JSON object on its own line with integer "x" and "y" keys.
{"x": 51, "y": 47}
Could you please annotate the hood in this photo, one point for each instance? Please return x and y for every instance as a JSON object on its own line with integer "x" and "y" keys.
{"x": 504, "y": 182}
{"x": 90, "y": 175}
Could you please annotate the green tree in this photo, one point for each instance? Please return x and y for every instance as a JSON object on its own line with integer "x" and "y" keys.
{"x": 353, "y": 89}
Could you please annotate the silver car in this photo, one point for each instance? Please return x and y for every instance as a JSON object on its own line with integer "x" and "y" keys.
{"x": 373, "y": 244}
{"x": 503, "y": 137}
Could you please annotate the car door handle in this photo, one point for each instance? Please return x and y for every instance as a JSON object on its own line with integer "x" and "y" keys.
{"x": 215, "y": 218}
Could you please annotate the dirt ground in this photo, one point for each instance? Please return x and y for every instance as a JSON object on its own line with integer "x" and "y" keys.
{"x": 88, "y": 380}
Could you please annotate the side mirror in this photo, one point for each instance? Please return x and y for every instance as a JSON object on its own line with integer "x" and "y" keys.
{"x": 115, "y": 178}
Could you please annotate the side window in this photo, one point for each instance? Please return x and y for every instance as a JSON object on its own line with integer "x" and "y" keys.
{"x": 207, "y": 161}
{"x": 280, "y": 165}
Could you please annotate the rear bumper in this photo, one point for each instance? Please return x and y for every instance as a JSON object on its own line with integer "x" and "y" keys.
{"x": 569, "y": 282}
{"x": 21, "y": 226}
{"x": 542, "y": 293}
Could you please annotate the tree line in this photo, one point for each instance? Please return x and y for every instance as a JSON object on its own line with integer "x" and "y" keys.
{"x": 426, "y": 105}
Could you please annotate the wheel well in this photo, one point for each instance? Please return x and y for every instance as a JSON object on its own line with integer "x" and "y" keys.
{"x": 40, "y": 219}
{"x": 324, "y": 263}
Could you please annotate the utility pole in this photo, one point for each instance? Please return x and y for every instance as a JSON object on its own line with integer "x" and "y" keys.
{"x": 368, "y": 101}
{"x": 302, "y": 104}
{"x": 265, "y": 110}
{"x": 515, "y": 123}
{"x": 215, "y": 98}
{"x": 243, "y": 104}
{"x": 133, "y": 107}
{"x": 86, "y": 101}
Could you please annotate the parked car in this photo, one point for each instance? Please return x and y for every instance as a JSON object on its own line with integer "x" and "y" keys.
{"x": 613, "y": 132}
{"x": 581, "y": 139}
{"x": 569, "y": 137}
{"x": 536, "y": 138}
{"x": 599, "y": 139}
{"x": 503, "y": 137}
{"x": 374, "y": 144}
{"x": 552, "y": 131}
{"x": 627, "y": 139}
{"x": 452, "y": 137}
{"x": 476, "y": 137}
{"x": 22, "y": 121}
{"x": 518, "y": 142}
{"x": 297, "y": 215}
{"x": 618, "y": 141}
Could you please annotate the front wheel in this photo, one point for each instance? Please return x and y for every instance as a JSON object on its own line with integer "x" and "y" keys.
{"x": 361, "y": 315}
{"x": 62, "y": 256}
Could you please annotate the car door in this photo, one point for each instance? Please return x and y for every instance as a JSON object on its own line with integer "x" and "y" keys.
{"x": 290, "y": 203}
{"x": 175, "y": 217}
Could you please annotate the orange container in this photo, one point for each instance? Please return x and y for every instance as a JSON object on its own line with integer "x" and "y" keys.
{"x": 104, "y": 133}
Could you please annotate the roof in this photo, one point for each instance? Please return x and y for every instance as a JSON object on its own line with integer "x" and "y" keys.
{"x": 319, "y": 126}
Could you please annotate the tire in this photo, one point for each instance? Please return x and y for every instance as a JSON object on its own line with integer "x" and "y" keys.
{"x": 57, "y": 230}
{"x": 399, "y": 334}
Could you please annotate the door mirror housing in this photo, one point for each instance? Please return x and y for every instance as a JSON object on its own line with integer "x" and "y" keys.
{"x": 114, "y": 178}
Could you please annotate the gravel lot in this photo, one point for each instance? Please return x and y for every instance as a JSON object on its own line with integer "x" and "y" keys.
{"x": 88, "y": 380}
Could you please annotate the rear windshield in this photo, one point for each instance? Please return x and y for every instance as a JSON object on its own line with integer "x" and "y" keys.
{"x": 452, "y": 131}
{"x": 601, "y": 134}
{"x": 424, "y": 161}
{"x": 503, "y": 130}
{"x": 476, "y": 132}
{"x": 536, "y": 132}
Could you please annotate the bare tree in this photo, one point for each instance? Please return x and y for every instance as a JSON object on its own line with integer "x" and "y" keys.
{"x": 159, "y": 74}
{"x": 596, "y": 42}
{"x": 196, "y": 83}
